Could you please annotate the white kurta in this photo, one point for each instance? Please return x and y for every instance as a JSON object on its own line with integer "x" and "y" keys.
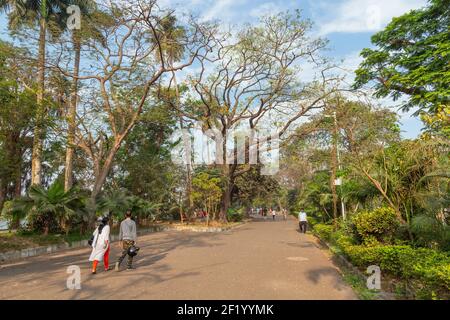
{"x": 100, "y": 244}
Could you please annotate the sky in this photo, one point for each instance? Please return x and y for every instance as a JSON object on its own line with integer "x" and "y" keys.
{"x": 347, "y": 24}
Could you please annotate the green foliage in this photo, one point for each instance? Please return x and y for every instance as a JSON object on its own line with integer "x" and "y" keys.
{"x": 431, "y": 232}
{"x": 235, "y": 215}
{"x": 13, "y": 214}
{"x": 50, "y": 209}
{"x": 316, "y": 197}
{"x": 116, "y": 202}
{"x": 376, "y": 226}
{"x": 429, "y": 267}
{"x": 427, "y": 271}
{"x": 411, "y": 58}
{"x": 144, "y": 161}
{"x": 359, "y": 286}
{"x": 17, "y": 116}
{"x": 253, "y": 185}
{"x": 324, "y": 231}
{"x": 207, "y": 191}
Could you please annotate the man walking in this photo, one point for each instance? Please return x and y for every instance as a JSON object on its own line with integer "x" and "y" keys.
{"x": 302, "y": 221}
{"x": 127, "y": 238}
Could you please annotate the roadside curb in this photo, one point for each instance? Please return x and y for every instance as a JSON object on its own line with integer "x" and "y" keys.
{"x": 15, "y": 255}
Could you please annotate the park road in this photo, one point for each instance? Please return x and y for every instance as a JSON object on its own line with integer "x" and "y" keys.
{"x": 262, "y": 259}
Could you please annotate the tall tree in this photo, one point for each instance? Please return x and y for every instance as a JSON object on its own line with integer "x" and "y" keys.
{"x": 41, "y": 12}
{"x": 18, "y": 101}
{"x": 411, "y": 58}
{"x": 171, "y": 37}
{"x": 122, "y": 76}
{"x": 92, "y": 19}
{"x": 254, "y": 84}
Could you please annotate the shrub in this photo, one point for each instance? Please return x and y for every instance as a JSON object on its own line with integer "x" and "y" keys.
{"x": 377, "y": 226}
{"x": 235, "y": 215}
{"x": 324, "y": 231}
{"x": 431, "y": 232}
{"x": 430, "y": 267}
{"x": 426, "y": 271}
{"x": 312, "y": 221}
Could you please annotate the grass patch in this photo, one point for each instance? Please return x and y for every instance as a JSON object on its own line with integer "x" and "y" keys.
{"x": 10, "y": 241}
{"x": 359, "y": 286}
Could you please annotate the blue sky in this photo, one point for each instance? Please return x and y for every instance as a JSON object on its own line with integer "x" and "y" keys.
{"x": 348, "y": 24}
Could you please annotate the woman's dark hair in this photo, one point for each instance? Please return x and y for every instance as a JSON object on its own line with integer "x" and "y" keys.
{"x": 102, "y": 224}
{"x": 128, "y": 213}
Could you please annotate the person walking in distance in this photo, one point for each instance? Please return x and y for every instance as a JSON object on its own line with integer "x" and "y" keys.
{"x": 302, "y": 221}
{"x": 127, "y": 239}
{"x": 273, "y": 214}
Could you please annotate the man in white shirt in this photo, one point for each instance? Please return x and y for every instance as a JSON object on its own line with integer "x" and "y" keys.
{"x": 302, "y": 221}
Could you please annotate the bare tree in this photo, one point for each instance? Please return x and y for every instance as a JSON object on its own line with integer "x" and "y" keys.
{"x": 119, "y": 74}
{"x": 256, "y": 84}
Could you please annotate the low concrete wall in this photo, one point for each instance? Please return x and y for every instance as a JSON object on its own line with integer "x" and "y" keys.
{"x": 37, "y": 251}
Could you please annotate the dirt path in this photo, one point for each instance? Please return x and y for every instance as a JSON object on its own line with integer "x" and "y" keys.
{"x": 258, "y": 260}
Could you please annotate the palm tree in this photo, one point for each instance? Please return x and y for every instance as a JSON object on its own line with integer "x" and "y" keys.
{"x": 114, "y": 202}
{"x": 172, "y": 50}
{"x": 91, "y": 19}
{"x": 23, "y": 12}
{"x": 50, "y": 205}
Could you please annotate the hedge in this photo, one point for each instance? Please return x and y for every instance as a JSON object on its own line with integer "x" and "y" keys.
{"x": 429, "y": 269}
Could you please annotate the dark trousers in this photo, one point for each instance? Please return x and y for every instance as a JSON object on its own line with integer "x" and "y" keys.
{"x": 125, "y": 246}
{"x": 302, "y": 226}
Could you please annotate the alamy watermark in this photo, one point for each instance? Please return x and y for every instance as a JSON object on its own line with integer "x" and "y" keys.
{"x": 374, "y": 280}
{"x": 237, "y": 146}
{"x": 73, "y": 281}
{"x": 74, "y": 20}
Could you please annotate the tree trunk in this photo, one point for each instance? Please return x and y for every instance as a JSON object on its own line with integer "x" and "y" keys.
{"x": 2, "y": 195}
{"x": 188, "y": 162}
{"x": 103, "y": 171}
{"x": 39, "y": 135}
{"x": 71, "y": 117}
{"x": 225, "y": 203}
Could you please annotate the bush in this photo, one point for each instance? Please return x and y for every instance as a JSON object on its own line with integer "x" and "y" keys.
{"x": 312, "y": 221}
{"x": 377, "y": 226}
{"x": 235, "y": 215}
{"x": 428, "y": 269}
{"x": 430, "y": 232}
{"x": 324, "y": 231}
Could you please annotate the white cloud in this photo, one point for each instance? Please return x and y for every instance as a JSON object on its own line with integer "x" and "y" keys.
{"x": 218, "y": 10}
{"x": 265, "y": 9}
{"x": 360, "y": 15}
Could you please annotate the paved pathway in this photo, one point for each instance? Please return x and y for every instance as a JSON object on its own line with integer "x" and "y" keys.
{"x": 257, "y": 260}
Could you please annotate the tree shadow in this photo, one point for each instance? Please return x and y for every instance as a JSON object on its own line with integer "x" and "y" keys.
{"x": 52, "y": 267}
{"x": 317, "y": 274}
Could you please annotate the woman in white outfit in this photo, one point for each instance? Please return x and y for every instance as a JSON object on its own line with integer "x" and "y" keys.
{"x": 101, "y": 245}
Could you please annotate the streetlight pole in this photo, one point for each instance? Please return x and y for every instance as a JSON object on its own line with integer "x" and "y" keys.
{"x": 336, "y": 162}
{"x": 336, "y": 129}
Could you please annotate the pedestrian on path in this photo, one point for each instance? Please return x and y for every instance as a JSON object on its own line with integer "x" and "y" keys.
{"x": 100, "y": 245}
{"x": 302, "y": 221}
{"x": 284, "y": 213}
{"x": 273, "y": 214}
{"x": 127, "y": 239}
